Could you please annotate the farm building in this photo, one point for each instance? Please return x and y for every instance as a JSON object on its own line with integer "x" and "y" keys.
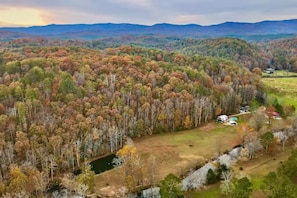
{"x": 222, "y": 118}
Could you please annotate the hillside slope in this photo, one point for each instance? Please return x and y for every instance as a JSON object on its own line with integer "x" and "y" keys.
{"x": 283, "y": 53}
{"x": 242, "y": 52}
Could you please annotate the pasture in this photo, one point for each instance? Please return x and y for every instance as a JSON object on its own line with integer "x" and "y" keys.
{"x": 282, "y": 89}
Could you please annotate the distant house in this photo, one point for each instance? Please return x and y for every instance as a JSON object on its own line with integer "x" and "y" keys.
{"x": 269, "y": 71}
{"x": 244, "y": 109}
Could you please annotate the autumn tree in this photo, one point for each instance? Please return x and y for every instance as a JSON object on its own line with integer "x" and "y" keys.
{"x": 22, "y": 144}
{"x": 38, "y": 181}
{"x": 245, "y": 132}
{"x": 18, "y": 180}
{"x": 257, "y": 71}
{"x": 188, "y": 122}
{"x": 269, "y": 111}
{"x": 87, "y": 177}
{"x": 132, "y": 165}
{"x": 258, "y": 120}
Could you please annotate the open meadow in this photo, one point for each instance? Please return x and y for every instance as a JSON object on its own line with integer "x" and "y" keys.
{"x": 282, "y": 89}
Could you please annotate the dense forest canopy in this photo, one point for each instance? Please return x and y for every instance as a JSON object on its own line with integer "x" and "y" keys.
{"x": 248, "y": 55}
{"x": 63, "y": 105}
{"x": 276, "y": 54}
{"x": 283, "y": 53}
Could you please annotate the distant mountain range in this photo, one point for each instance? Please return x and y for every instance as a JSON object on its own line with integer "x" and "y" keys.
{"x": 94, "y": 31}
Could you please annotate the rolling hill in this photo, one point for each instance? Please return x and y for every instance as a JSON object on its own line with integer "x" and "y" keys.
{"x": 246, "y": 54}
{"x": 94, "y": 31}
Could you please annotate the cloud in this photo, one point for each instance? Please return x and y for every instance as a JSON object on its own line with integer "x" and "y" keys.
{"x": 203, "y": 12}
{"x": 21, "y": 17}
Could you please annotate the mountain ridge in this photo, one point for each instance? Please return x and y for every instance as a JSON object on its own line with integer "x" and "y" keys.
{"x": 99, "y": 30}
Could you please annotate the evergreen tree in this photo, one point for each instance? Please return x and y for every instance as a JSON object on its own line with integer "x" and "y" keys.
{"x": 170, "y": 187}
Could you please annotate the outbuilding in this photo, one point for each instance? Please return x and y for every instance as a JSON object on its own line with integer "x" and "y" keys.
{"x": 222, "y": 118}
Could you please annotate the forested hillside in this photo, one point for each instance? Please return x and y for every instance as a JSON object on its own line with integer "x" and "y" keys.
{"x": 242, "y": 52}
{"x": 283, "y": 53}
{"x": 63, "y": 105}
{"x": 245, "y": 54}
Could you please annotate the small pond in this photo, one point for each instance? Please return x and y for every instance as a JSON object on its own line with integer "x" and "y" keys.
{"x": 100, "y": 165}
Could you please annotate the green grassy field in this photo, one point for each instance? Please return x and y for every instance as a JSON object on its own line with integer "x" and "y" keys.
{"x": 210, "y": 191}
{"x": 282, "y": 89}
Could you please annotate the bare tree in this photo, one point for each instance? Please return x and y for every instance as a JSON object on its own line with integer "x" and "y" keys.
{"x": 53, "y": 165}
{"x": 226, "y": 182}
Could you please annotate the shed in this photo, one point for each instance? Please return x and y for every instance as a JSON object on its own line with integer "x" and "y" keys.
{"x": 222, "y": 118}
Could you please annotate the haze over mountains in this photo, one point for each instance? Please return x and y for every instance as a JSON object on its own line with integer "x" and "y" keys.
{"x": 94, "y": 31}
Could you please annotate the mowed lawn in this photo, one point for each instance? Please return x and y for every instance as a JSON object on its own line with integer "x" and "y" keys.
{"x": 178, "y": 152}
{"x": 284, "y": 89}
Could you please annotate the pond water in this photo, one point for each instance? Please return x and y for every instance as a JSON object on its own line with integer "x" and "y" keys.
{"x": 100, "y": 165}
{"x": 103, "y": 164}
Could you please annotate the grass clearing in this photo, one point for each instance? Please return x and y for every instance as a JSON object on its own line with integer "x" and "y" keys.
{"x": 177, "y": 152}
{"x": 284, "y": 89}
{"x": 279, "y": 73}
{"x": 212, "y": 191}
{"x": 264, "y": 163}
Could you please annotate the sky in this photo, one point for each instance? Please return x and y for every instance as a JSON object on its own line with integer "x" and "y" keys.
{"x": 147, "y": 12}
